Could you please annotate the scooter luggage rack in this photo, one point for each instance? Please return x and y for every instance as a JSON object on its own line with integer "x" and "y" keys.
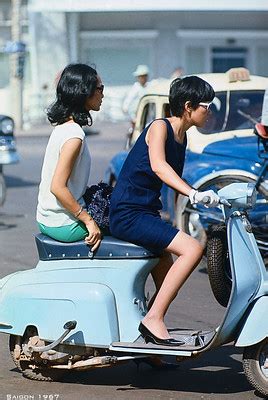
{"x": 193, "y": 340}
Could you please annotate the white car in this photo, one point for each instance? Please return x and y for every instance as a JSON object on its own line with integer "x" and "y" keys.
{"x": 236, "y": 107}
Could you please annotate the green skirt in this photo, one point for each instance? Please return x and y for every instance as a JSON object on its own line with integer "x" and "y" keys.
{"x": 67, "y": 233}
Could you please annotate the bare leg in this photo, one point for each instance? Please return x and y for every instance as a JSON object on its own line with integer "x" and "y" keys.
{"x": 189, "y": 253}
{"x": 159, "y": 273}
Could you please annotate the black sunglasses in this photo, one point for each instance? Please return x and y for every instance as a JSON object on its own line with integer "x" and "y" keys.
{"x": 100, "y": 88}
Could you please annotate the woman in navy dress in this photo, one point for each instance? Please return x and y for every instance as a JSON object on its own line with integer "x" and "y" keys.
{"x": 156, "y": 158}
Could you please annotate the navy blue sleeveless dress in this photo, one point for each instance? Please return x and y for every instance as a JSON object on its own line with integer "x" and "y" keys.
{"x": 135, "y": 201}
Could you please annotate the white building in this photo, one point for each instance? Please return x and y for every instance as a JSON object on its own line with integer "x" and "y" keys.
{"x": 5, "y": 37}
{"x": 116, "y": 35}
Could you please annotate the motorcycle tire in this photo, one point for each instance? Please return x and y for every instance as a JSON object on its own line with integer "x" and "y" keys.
{"x": 218, "y": 265}
{"x": 255, "y": 366}
{"x": 41, "y": 372}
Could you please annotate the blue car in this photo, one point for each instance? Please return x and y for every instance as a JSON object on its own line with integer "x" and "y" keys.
{"x": 223, "y": 151}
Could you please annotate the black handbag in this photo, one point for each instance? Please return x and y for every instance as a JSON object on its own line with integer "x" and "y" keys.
{"x": 97, "y": 199}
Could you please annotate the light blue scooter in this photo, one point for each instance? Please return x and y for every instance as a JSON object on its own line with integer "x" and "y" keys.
{"x": 77, "y": 310}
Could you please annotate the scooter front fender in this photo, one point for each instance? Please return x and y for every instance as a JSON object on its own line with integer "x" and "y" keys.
{"x": 255, "y": 327}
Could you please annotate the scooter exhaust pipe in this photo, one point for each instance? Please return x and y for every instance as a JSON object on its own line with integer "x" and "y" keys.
{"x": 96, "y": 362}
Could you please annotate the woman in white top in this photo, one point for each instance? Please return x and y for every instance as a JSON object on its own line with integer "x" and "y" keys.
{"x": 66, "y": 167}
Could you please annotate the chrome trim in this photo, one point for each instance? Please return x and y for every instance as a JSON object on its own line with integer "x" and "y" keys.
{"x": 229, "y": 172}
{"x": 251, "y": 195}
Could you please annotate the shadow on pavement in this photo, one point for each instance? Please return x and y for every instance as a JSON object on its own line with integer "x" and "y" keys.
{"x": 4, "y": 227}
{"x": 217, "y": 372}
{"x": 12, "y": 181}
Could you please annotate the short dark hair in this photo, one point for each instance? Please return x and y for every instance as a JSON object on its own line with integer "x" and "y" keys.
{"x": 190, "y": 88}
{"x": 77, "y": 82}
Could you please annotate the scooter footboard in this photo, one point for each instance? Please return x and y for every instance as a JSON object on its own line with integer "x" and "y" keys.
{"x": 49, "y": 306}
{"x": 255, "y": 327}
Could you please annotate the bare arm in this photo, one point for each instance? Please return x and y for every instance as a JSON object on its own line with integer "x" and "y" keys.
{"x": 59, "y": 188}
{"x": 156, "y": 138}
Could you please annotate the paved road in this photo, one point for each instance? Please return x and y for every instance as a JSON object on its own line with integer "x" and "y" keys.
{"x": 215, "y": 375}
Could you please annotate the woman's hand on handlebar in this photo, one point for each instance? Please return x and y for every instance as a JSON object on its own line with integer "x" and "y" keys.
{"x": 208, "y": 198}
{"x": 94, "y": 234}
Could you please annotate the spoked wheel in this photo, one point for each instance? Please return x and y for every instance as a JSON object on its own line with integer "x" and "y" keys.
{"x": 218, "y": 264}
{"x": 197, "y": 219}
{"x": 255, "y": 363}
{"x": 29, "y": 366}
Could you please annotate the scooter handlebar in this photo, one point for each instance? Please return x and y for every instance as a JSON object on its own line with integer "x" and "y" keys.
{"x": 223, "y": 201}
{"x": 206, "y": 200}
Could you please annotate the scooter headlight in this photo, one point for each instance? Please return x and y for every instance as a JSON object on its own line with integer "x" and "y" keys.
{"x": 240, "y": 195}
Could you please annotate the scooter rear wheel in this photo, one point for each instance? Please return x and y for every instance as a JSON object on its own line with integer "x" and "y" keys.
{"x": 29, "y": 368}
{"x": 255, "y": 364}
{"x": 218, "y": 264}
{"x": 43, "y": 374}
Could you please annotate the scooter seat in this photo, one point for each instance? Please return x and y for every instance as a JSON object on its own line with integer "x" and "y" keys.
{"x": 110, "y": 247}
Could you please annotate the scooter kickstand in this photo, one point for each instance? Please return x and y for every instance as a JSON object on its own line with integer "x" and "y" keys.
{"x": 68, "y": 326}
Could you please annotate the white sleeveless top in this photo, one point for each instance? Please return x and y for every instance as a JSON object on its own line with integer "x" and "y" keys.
{"x": 50, "y": 212}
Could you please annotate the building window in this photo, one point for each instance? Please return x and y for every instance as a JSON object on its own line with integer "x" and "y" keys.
{"x": 195, "y": 60}
{"x": 224, "y": 58}
{"x": 262, "y": 57}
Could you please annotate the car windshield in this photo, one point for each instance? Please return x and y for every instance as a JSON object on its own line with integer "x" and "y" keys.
{"x": 234, "y": 110}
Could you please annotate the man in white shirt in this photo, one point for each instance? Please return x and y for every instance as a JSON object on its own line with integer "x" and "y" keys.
{"x": 131, "y": 101}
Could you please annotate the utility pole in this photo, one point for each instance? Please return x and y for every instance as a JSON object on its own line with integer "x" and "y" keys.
{"x": 17, "y": 64}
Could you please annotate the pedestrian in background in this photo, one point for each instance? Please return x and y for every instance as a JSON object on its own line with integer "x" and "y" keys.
{"x": 177, "y": 73}
{"x": 131, "y": 101}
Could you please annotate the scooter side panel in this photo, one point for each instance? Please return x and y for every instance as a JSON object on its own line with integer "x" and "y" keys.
{"x": 50, "y": 306}
{"x": 255, "y": 328}
{"x": 125, "y": 279}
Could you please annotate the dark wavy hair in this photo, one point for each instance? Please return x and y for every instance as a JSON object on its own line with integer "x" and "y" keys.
{"x": 190, "y": 88}
{"x": 77, "y": 82}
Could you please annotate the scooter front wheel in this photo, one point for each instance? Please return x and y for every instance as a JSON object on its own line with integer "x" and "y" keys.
{"x": 218, "y": 264}
{"x": 255, "y": 364}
